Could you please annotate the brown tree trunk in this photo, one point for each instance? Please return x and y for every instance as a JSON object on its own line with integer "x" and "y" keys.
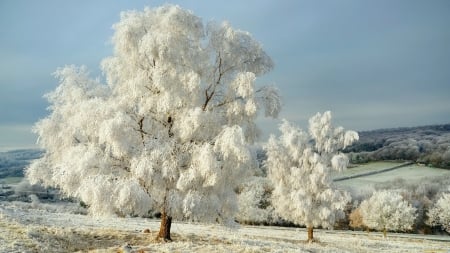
{"x": 310, "y": 234}
{"x": 164, "y": 228}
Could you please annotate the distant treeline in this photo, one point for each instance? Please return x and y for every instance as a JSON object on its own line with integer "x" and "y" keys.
{"x": 12, "y": 163}
{"x": 429, "y": 145}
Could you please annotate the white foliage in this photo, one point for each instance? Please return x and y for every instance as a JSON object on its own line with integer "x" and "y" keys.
{"x": 386, "y": 210}
{"x": 254, "y": 200}
{"x": 270, "y": 100}
{"x": 170, "y": 128}
{"x": 299, "y": 165}
{"x": 114, "y": 133}
{"x": 131, "y": 198}
{"x": 439, "y": 214}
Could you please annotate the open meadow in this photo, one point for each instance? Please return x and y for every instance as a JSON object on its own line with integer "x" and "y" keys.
{"x": 63, "y": 227}
{"x": 27, "y": 227}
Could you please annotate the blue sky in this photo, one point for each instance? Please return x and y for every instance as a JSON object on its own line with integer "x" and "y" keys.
{"x": 374, "y": 64}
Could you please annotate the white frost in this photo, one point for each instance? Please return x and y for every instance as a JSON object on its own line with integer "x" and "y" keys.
{"x": 169, "y": 130}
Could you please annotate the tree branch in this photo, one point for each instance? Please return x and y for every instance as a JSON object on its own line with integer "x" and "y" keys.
{"x": 214, "y": 85}
{"x": 141, "y": 129}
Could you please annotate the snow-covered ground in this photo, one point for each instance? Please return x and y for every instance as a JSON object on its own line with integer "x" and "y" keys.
{"x": 413, "y": 174}
{"x": 36, "y": 227}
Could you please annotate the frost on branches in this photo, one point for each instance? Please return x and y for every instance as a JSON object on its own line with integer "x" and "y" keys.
{"x": 439, "y": 214}
{"x": 386, "y": 210}
{"x": 254, "y": 201}
{"x": 299, "y": 165}
{"x": 169, "y": 130}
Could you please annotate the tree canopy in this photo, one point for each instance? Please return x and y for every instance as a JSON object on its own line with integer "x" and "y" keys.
{"x": 168, "y": 129}
{"x": 386, "y": 210}
{"x": 439, "y": 213}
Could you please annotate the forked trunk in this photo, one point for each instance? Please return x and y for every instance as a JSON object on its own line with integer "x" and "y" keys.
{"x": 310, "y": 234}
{"x": 164, "y": 228}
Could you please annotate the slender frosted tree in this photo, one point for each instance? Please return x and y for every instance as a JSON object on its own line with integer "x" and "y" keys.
{"x": 169, "y": 130}
{"x": 299, "y": 165}
{"x": 386, "y": 210}
{"x": 439, "y": 214}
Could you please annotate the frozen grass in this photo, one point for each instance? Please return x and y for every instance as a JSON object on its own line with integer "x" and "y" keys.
{"x": 411, "y": 174}
{"x": 10, "y": 180}
{"x": 368, "y": 167}
{"x": 24, "y": 228}
{"x": 375, "y": 166}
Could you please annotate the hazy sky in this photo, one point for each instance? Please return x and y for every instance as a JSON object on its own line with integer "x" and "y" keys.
{"x": 374, "y": 63}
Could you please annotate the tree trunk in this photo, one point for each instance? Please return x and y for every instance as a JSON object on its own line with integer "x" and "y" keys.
{"x": 310, "y": 234}
{"x": 384, "y": 232}
{"x": 164, "y": 228}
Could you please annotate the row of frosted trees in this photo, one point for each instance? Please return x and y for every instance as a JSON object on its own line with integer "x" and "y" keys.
{"x": 170, "y": 128}
{"x": 392, "y": 209}
{"x": 389, "y": 211}
{"x": 384, "y": 210}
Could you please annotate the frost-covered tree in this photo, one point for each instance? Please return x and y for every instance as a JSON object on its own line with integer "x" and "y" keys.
{"x": 254, "y": 194}
{"x": 299, "y": 165}
{"x": 386, "y": 210}
{"x": 254, "y": 201}
{"x": 439, "y": 214}
{"x": 169, "y": 130}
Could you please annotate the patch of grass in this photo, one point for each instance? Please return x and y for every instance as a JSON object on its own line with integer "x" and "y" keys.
{"x": 10, "y": 180}
{"x": 73, "y": 240}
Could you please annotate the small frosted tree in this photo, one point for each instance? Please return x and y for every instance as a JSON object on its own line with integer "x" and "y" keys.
{"x": 299, "y": 165}
{"x": 169, "y": 130}
{"x": 254, "y": 201}
{"x": 386, "y": 210}
{"x": 439, "y": 214}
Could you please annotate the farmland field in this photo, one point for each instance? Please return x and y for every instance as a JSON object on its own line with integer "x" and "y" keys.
{"x": 368, "y": 167}
{"x": 412, "y": 174}
{"x": 10, "y": 180}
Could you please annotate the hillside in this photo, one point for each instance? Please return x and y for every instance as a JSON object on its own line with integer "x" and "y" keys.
{"x": 426, "y": 144}
{"x": 12, "y": 163}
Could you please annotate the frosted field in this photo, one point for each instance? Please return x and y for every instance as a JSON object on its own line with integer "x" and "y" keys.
{"x": 369, "y": 167}
{"x": 413, "y": 174}
{"x": 26, "y": 227}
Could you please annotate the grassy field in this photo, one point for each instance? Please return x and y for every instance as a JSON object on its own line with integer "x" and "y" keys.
{"x": 412, "y": 174}
{"x": 368, "y": 167}
{"x": 10, "y": 180}
{"x": 59, "y": 227}
{"x": 28, "y": 227}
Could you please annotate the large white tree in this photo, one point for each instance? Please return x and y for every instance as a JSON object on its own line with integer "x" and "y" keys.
{"x": 169, "y": 130}
{"x": 387, "y": 210}
{"x": 299, "y": 165}
{"x": 439, "y": 214}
